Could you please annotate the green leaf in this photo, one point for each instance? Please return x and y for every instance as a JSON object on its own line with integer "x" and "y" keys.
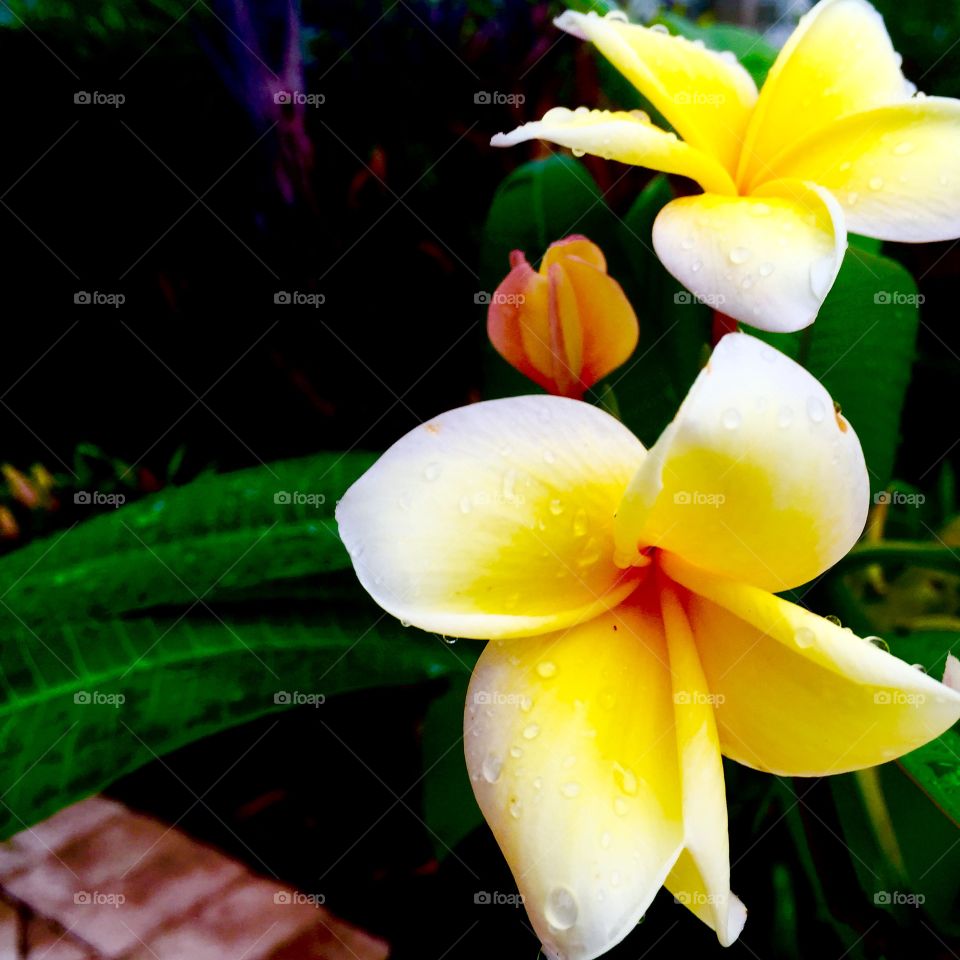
{"x": 211, "y": 539}
{"x": 91, "y": 701}
{"x": 862, "y": 347}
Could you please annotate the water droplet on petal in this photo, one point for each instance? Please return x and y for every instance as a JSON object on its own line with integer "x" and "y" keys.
{"x": 492, "y": 765}
{"x": 765, "y": 269}
{"x": 561, "y": 908}
{"x": 516, "y": 752}
{"x": 852, "y": 198}
{"x": 620, "y": 806}
{"x": 530, "y": 731}
{"x": 731, "y": 418}
{"x": 515, "y": 807}
{"x": 815, "y": 409}
{"x": 686, "y": 243}
{"x": 570, "y": 789}
{"x": 546, "y": 669}
{"x": 804, "y": 637}
{"x": 739, "y": 255}
{"x": 902, "y": 149}
{"x": 577, "y": 152}
{"x": 432, "y": 471}
{"x": 832, "y": 618}
{"x": 556, "y": 507}
{"x": 920, "y": 667}
{"x": 696, "y": 266}
{"x": 580, "y": 524}
{"x": 876, "y": 183}
{"x": 784, "y": 417}
{"x": 626, "y": 778}
{"x": 878, "y": 642}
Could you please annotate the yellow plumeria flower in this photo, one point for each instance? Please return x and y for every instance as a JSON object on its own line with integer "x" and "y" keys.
{"x": 836, "y": 140}
{"x": 635, "y": 634}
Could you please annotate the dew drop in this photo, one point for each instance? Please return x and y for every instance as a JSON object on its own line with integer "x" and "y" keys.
{"x": 739, "y": 255}
{"x": 619, "y": 15}
{"x": 686, "y": 243}
{"x": 530, "y": 731}
{"x": 659, "y": 28}
{"x": 614, "y": 879}
{"x": 432, "y": 471}
{"x": 516, "y": 753}
{"x": 577, "y": 152}
{"x": 832, "y": 618}
{"x": 570, "y": 789}
{"x": 902, "y": 149}
{"x": 747, "y": 282}
{"x": 696, "y": 266}
{"x": 492, "y": 765}
{"x": 731, "y": 418}
{"x": 515, "y": 808}
{"x": 876, "y": 183}
{"x": 852, "y": 198}
{"x": 561, "y": 908}
{"x": 760, "y": 209}
{"x": 627, "y": 779}
{"x": 620, "y": 806}
{"x": 920, "y": 667}
{"x": 784, "y": 417}
{"x": 815, "y": 410}
{"x": 765, "y": 269}
{"x": 845, "y": 166}
{"x": 556, "y": 507}
{"x": 878, "y": 642}
{"x": 546, "y": 669}
{"x": 804, "y": 637}
{"x": 537, "y": 783}
{"x": 465, "y": 505}
{"x": 526, "y": 704}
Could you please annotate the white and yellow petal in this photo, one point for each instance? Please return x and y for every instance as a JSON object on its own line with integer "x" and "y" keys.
{"x": 797, "y": 694}
{"x": 572, "y": 753}
{"x": 706, "y": 95}
{"x": 757, "y": 478}
{"x": 838, "y": 61}
{"x": 768, "y": 260}
{"x": 495, "y": 519}
{"x": 700, "y": 879}
{"x": 629, "y": 137}
{"x": 892, "y": 169}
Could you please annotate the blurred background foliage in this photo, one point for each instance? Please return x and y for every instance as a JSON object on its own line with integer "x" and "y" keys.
{"x": 204, "y": 598}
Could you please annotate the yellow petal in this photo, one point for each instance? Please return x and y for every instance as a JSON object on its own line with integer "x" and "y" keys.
{"x": 893, "y": 169}
{"x": 494, "y": 519}
{"x": 701, "y": 877}
{"x": 572, "y": 753}
{"x": 756, "y": 479}
{"x": 838, "y": 61}
{"x": 707, "y": 96}
{"x": 627, "y": 137}
{"x": 802, "y": 696}
{"x": 768, "y": 260}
